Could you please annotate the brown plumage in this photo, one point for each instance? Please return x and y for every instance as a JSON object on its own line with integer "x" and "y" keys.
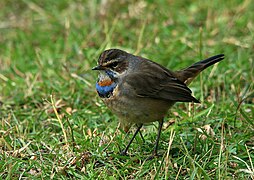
{"x": 142, "y": 90}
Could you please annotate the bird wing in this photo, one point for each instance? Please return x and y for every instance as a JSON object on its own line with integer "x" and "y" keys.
{"x": 155, "y": 81}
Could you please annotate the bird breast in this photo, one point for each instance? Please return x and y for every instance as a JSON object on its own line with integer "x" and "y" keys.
{"x": 105, "y": 86}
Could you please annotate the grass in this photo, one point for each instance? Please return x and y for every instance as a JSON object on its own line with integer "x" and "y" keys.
{"x": 53, "y": 125}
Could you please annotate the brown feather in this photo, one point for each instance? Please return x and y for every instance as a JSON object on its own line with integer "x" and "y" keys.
{"x": 156, "y": 82}
{"x": 188, "y": 74}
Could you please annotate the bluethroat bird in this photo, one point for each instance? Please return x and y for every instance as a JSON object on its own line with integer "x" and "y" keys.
{"x": 140, "y": 91}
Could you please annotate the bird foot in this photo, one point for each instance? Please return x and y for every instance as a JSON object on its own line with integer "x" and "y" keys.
{"x": 123, "y": 153}
{"x": 154, "y": 155}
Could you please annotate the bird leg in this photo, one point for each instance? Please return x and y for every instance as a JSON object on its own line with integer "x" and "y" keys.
{"x": 158, "y": 138}
{"x": 124, "y": 152}
{"x": 141, "y": 135}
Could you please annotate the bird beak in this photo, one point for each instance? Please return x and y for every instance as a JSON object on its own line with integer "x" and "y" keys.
{"x": 99, "y": 67}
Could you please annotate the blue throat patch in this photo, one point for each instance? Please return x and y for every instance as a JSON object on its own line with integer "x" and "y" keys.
{"x": 105, "y": 91}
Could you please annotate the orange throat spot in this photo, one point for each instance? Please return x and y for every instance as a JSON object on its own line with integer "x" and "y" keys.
{"x": 106, "y": 82}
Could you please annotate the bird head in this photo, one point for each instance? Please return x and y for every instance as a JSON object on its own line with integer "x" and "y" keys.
{"x": 113, "y": 62}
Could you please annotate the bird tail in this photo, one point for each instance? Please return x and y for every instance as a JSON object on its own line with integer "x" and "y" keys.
{"x": 188, "y": 74}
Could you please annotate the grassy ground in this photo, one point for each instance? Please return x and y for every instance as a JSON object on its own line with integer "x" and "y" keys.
{"x": 53, "y": 125}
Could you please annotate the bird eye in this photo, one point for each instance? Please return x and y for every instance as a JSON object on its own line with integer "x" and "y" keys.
{"x": 113, "y": 65}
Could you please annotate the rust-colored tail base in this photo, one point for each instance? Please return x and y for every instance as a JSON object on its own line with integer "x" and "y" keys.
{"x": 188, "y": 74}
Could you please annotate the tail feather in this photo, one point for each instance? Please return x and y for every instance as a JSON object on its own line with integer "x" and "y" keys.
{"x": 188, "y": 74}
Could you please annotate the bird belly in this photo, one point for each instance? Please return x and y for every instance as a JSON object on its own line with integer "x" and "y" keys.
{"x": 136, "y": 110}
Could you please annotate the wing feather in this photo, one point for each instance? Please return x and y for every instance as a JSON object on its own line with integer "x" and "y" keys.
{"x": 158, "y": 83}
